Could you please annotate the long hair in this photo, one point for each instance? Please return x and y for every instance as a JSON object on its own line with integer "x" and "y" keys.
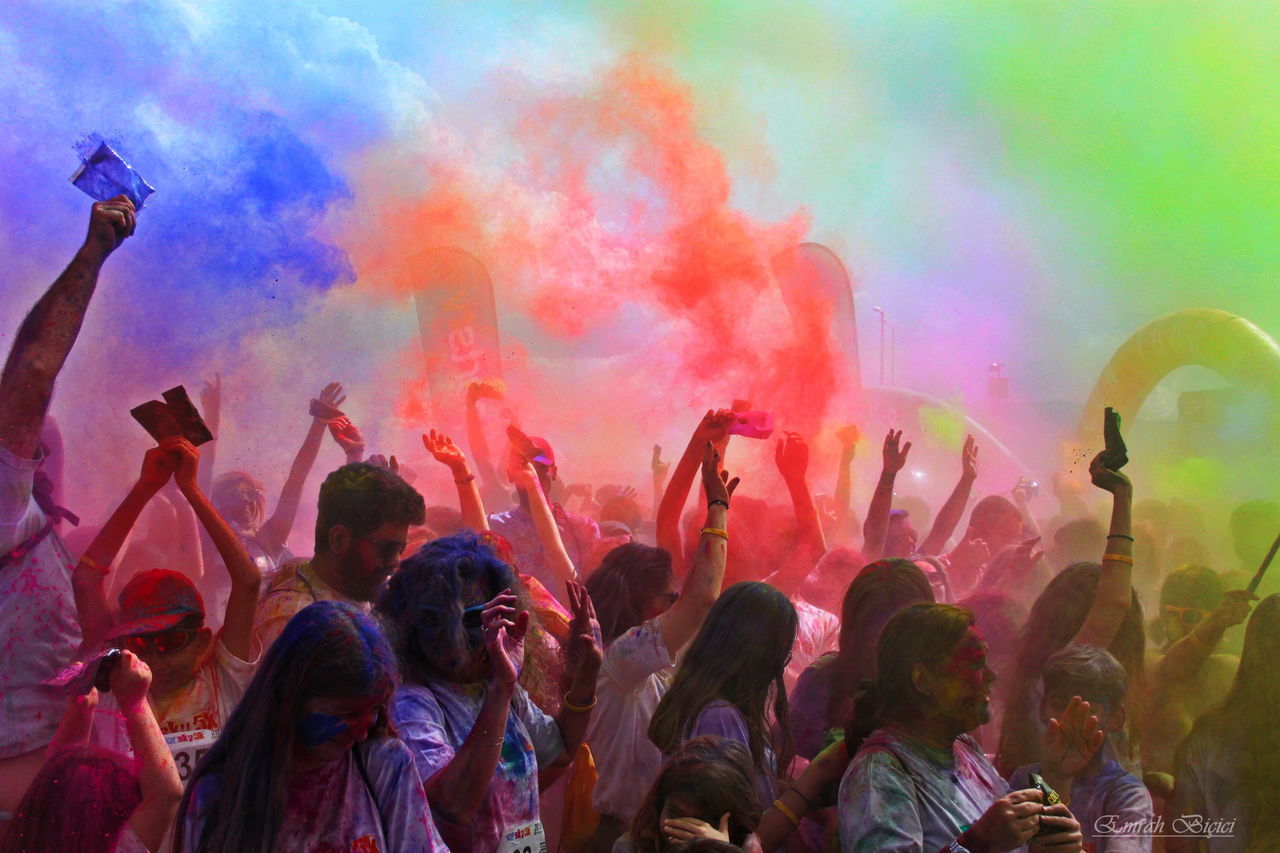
{"x": 880, "y": 590}
{"x": 423, "y": 602}
{"x": 624, "y": 584}
{"x": 1056, "y": 617}
{"x": 1246, "y": 716}
{"x": 223, "y": 490}
{"x": 738, "y": 656}
{"x": 920, "y": 633}
{"x": 80, "y": 800}
{"x": 709, "y": 776}
{"x": 328, "y": 650}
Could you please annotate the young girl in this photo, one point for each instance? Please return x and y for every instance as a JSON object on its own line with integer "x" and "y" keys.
{"x": 309, "y": 759}
{"x": 704, "y": 790}
{"x": 723, "y": 686}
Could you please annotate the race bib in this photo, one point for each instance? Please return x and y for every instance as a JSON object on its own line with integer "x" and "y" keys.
{"x": 524, "y": 839}
{"x": 188, "y": 748}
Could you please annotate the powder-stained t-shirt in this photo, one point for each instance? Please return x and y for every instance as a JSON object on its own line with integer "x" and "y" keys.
{"x": 808, "y": 702}
{"x": 903, "y": 796}
{"x": 633, "y": 677}
{"x": 1207, "y": 773}
{"x": 337, "y": 809}
{"x": 195, "y": 718}
{"x": 1104, "y": 804}
{"x": 295, "y": 586}
{"x": 577, "y": 532}
{"x": 435, "y": 719}
{"x": 39, "y": 631}
{"x": 817, "y": 632}
{"x": 721, "y": 719}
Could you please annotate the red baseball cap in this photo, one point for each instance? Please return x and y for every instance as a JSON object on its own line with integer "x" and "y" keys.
{"x": 156, "y": 601}
{"x": 545, "y": 455}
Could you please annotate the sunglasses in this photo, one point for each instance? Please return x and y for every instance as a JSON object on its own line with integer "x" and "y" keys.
{"x": 161, "y": 642}
{"x": 1188, "y": 616}
{"x": 387, "y": 549}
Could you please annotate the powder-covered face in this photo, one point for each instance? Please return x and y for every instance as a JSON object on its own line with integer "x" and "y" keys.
{"x": 330, "y": 727}
{"x": 962, "y": 684}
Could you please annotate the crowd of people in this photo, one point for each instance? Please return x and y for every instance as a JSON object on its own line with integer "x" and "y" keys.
{"x": 491, "y": 672}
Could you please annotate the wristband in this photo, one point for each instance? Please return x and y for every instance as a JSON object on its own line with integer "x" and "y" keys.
{"x": 786, "y": 812}
{"x": 1118, "y": 558}
{"x": 716, "y": 531}
{"x": 1120, "y": 536}
{"x": 577, "y": 709}
{"x": 808, "y": 802}
{"x": 715, "y": 501}
{"x": 467, "y": 479}
{"x": 95, "y": 565}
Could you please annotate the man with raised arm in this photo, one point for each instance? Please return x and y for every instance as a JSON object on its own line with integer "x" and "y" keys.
{"x": 38, "y": 629}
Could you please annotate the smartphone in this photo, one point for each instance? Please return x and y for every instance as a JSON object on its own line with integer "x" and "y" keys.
{"x": 1116, "y": 455}
{"x": 752, "y": 425}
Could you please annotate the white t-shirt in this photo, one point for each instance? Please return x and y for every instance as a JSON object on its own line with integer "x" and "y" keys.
{"x": 632, "y": 679}
{"x": 335, "y": 810}
{"x": 817, "y": 632}
{"x": 195, "y": 719}
{"x": 39, "y": 632}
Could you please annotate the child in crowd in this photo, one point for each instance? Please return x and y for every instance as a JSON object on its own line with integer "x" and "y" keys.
{"x": 198, "y": 677}
{"x": 1103, "y": 796}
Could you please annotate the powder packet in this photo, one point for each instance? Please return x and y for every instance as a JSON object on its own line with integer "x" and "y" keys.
{"x": 103, "y": 175}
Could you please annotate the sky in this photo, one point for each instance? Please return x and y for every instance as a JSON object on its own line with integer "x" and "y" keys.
{"x": 1025, "y": 184}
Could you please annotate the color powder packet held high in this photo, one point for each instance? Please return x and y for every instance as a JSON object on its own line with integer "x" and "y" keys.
{"x": 103, "y": 175}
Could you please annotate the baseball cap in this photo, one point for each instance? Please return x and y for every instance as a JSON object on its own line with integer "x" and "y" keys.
{"x": 156, "y": 601}
{"x": 545, "y": 455}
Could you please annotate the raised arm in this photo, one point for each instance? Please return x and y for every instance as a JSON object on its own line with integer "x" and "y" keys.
{"x": 544, "y": 521}
{"x": 1114, "y": 596}
{"x": 792, "y": 457}
{"x": 1185, "y": 657}
{"x": 583, "y": 657}
{"x": 953, "y": 510}
{"x": 275, "y": 531}
{"x": 237, "y": 620}
{"x": 448, "y": 454}
{"x": 348, "y": 437}
{"x": 659, "y": 470}
{"x": 876, "y": 525}
{"x": 714, "y": 427}
{"x": 46, "y": 336}
{"x": 157, "y": 774}
{"x": 701, "y": 589}
{"x": 848, "y": 436}
{"x": 476, "y": 440}
{"x": 211, "y": 411}
{"x": 89, "y": 577}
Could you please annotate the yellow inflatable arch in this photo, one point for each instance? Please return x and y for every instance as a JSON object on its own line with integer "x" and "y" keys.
{"x": 1231, "y": 346}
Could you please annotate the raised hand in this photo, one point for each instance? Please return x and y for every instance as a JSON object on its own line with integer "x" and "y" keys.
{"x": 1069, "y": 743}
{"x": 444, "y": 451}
{"x": 1105, "y": 478}
{"x": 585, "y": 650}
{"x": 894, "y": 456}
{"x": 130, "y": 681}
{"x": 714, "y": 426}
{"x": 347, "y": 434}
{"x": 656, "y": 464}
{"x": 1232, "y": 610}
{"x": 157, "y": 467}
{"x": 716, "y": 482}
{"x": 969, "y": 555}
{"x": 211, "y": 399}
{"x": 968, "y": 459}
{"x": 325, "y": 406}
{"x": 384, "y": 462}
{"x": 504, "y": 630}
{"x": 487, "y": 389}
{"x": 111, "y": 222}
{"x": 185, "y": 459}
{"x": 792, "y": 457}
{"x": 848, "y": 436}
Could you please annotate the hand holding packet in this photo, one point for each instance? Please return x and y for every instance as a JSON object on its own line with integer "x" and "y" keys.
{"x": 104, "y": 175}
{"x": 177, "y": 415}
